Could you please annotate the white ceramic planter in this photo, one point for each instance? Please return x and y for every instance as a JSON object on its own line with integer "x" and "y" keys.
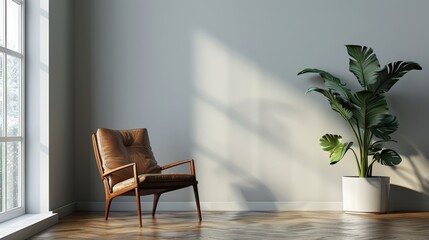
{"x": 366, "y": 195}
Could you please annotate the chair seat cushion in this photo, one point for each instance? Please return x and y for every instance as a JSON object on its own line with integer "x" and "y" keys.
{"x": 164, "y": 178}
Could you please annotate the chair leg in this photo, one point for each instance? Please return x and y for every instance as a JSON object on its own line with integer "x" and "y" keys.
{"x": 197, "y": 201}
{"x": 107, "y": 208}
{"x": 139, "y": 212}
{"x": 155, "y": 203}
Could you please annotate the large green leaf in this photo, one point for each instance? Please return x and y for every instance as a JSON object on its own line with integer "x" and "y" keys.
{"x": 369, "y": 109}
{"x": 388, "y": 125}
{"x": 376, "y": 147}
{"x": 363, "y": 64}
{"x": 331, "y": 82}
{"x": 391, "y": 74}
{"x": 336, "y": 105}
{"x": 388, "y": 157}
{"x": 334, "y": 146}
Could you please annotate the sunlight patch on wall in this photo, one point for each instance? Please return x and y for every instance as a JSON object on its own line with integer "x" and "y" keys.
{"x": 44, "y": 105}
{"x": 250, "y": 130}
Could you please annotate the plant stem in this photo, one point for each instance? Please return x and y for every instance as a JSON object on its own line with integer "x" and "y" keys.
{"x": 356, "y": 157}
{"x": 358, "y": 137}
{"x": 365, "y": 169}
{"x": 370, "y": 168}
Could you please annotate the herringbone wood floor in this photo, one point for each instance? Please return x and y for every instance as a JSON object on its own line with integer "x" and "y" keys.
{"x": 241, "y": 225}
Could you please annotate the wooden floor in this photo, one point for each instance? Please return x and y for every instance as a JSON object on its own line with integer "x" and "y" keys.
{"x": 241, "y": 225}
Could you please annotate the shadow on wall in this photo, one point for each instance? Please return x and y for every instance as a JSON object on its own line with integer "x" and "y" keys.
{"x": 251, "y": 189}
{"x": 403, "y": 199}
{"x": 413, "y": 192}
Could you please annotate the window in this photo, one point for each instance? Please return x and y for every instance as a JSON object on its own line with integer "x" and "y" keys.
{"x": 11, "y": 109}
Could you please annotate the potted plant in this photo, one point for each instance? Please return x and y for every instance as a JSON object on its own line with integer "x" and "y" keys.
{"x": 366, "y": 113}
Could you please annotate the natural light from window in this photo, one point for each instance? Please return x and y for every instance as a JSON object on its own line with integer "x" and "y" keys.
{"x": 11, "y": 109}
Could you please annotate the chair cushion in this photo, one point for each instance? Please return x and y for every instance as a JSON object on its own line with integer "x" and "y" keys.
{"x": 120, "y": 147}
{"x": 172, "y": 178}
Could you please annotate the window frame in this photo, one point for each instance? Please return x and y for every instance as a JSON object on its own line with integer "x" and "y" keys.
{"x": 20, "y": 210}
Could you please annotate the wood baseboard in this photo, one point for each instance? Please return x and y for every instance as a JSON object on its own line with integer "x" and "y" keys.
{"x": 214, "y": 206}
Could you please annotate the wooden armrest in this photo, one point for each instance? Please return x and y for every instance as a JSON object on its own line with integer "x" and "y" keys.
{"x": 120, "y": 168}
{"x": 190, "y": 161}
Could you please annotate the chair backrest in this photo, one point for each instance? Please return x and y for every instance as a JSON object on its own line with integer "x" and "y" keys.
{"x": 97, "y": 155}
{"x": 120, "y": 147}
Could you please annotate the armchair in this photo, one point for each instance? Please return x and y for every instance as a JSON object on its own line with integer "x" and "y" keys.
{"x": 127, "y": 166}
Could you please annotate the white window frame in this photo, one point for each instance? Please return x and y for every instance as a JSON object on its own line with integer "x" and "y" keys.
{"x": 9, "y": 214}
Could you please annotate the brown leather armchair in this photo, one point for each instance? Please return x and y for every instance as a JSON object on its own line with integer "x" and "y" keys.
{"x": 127, "y": 167}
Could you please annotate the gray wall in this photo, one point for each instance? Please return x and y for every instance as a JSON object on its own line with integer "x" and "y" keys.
{"x": 61, "y": 95}
{"x": 216, "y": 81}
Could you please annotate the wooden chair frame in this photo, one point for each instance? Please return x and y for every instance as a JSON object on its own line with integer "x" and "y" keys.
{"x": 143, "y": 189}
